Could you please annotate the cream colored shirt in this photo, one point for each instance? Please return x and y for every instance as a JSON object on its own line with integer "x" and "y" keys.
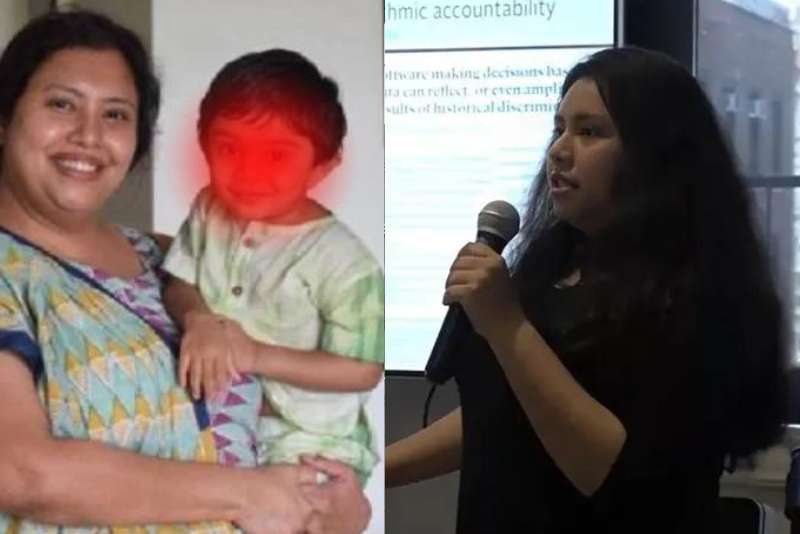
{"x": 312, "y": 286}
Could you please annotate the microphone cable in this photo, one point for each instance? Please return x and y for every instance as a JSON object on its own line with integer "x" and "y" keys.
{"x": 498, "y": 223}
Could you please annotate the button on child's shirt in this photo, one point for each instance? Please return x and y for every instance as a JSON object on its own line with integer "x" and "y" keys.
{"x": 249, "y": 242}
{"x": 236, "y": 290}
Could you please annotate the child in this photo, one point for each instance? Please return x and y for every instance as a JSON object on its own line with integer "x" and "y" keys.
{"x": 280, "y": 303}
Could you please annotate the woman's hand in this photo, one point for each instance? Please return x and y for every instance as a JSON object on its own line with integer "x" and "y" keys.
{"x": 479, "y": 281}
{"x": 206, "y": 361}
{"x": 340, "y": 506}
{"x": 276, "y": 502}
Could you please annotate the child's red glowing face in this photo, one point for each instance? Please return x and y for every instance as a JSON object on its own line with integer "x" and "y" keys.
{"x": 261, "y": 168}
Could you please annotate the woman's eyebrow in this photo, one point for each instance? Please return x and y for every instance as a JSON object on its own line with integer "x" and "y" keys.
{"x": 586, "y": 116}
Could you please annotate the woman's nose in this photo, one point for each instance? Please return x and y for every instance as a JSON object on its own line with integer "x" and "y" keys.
{"x": 88, "y": 130}
{"x": 560, "y": 151}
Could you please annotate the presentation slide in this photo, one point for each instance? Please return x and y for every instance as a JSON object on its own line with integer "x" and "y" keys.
{"x": 470, "y": 90}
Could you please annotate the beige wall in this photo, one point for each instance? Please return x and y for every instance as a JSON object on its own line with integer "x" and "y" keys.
{"x": 133, "y": 14}
{"x": 13, "y": 14}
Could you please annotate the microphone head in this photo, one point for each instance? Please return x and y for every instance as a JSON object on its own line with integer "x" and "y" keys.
{"x": 500, "y": 219}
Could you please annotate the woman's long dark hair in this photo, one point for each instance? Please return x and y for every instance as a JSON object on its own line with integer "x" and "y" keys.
{"x": 682, "y": 244}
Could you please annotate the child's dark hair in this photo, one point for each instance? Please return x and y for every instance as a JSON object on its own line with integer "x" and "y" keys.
{"x": 283, "y": 83}
{"x": 683, "y": 243}
{"x": 45, "y": 35}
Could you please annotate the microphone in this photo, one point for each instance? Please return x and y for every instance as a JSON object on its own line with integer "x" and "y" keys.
{"x": 498, "y": 223}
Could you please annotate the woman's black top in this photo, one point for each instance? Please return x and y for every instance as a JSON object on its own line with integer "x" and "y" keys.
{"x": 666, "y": 479}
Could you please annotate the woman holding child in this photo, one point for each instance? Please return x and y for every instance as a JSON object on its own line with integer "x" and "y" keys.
{"x": 96, "y": 430}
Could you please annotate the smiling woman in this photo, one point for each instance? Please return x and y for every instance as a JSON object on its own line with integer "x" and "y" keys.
{"x": 101, "y": 433}
{"x": 71, "y": 139}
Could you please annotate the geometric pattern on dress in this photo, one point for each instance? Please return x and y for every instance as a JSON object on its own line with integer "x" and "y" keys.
{"x": 234, "y": 421}
{"x": 106, "y": 375}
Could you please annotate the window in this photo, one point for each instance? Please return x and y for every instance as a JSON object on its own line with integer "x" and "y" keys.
{"x": 748, "y": 51}
{"x": 776, "y": 116}
{"x": 730, "y": 107}
{"x": 754, "y": 119}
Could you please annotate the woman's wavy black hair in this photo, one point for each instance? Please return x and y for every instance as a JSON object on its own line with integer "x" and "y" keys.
{"x": 682, "y": 228}
{"x": 45, "y": 35}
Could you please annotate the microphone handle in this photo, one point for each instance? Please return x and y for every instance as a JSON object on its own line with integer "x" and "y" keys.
{"x": 441, "y": 364}
{"x": 493, "y": 241}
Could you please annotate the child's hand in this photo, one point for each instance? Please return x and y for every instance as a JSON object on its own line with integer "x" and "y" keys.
{"x": 243, "y": 349}
{"x": 206, "y": 362}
